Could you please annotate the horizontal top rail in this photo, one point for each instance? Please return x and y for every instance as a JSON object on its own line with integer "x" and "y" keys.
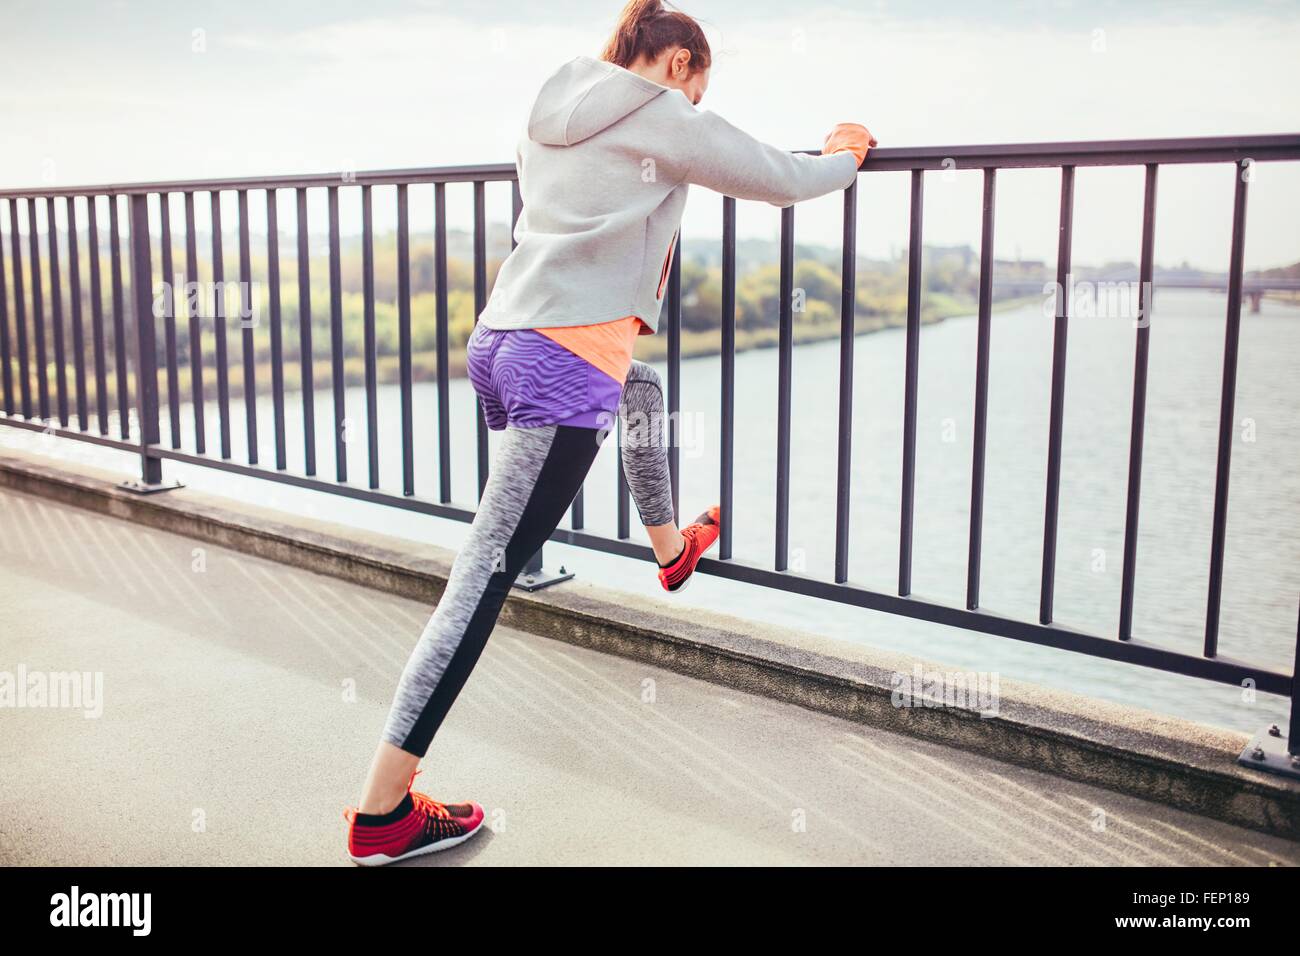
{"x": 483, "y": 172}
{"x": 1119, "y": 152}
{"x": 1206, "y": 149}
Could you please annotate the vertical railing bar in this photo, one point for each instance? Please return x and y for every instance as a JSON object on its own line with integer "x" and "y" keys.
{"x": 480, "y": 302}
{"x": 219, "y": 324}
{"x": 727, "y": 411}
{"x": 336, "y": 339}
{"x": 1139, "y": 405}
{"x": 1293, "y": 725}
{"x": 848, "y": 315}
{"x": 20, "y": 312}
{"x": 911, "y": 374}
{"x": 622, "y": 494}
{"x": 622, "y": 504}
{"x": 1227, "y": 412}
{"x": 535, "y": 563}
{"x": 169, "y": 318}
{"x": 277, "y": 330}
{"x": 368, "y": 337}
{"x": 576, "y": 516}
{"x": 785, "y": 363}
{"x": 404, "y": 339}
{"x": 247, "y": 356}
{"x": 6, "y": 368}
{"x": 980, "y": 431}
{"x": 1056, "y": 416}
{"x": 441, "y": 337}
{"x": 74, "y": 304}
{"x": 673, "y": 306}
{"x": 193, "y": 313}
{"x": 120, "y": 345}
{"x": 146, "y": 372}
{"x": 305, "y": 354}
{"x": 56, "y": 312}
{"x": 97, "y": 316}
{"x": 38, "y": 313}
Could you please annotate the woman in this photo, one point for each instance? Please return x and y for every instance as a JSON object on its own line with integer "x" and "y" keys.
{"x": 611, "y": 148}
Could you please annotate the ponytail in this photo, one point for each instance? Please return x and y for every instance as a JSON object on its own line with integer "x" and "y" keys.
{"x": 646, "y": 29}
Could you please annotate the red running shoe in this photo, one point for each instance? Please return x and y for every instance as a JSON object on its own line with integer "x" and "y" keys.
{"x": 699, "y": 535}
{"x": 416, "y": 826}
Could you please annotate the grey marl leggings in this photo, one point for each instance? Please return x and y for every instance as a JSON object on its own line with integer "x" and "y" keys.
{"x": 535, "y": 475}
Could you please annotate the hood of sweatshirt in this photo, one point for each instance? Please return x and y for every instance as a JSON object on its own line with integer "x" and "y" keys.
{"x": 596, "y": 236}
{"x": 586, "y": 96}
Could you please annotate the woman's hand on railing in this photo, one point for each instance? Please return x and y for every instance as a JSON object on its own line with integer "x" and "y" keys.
{"x": 852, "y": 137}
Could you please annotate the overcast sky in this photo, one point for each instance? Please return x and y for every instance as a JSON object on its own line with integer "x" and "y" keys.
{"x": 96, "y": 92}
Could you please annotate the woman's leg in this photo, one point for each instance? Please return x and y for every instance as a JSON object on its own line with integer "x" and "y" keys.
{"x": 535, "y": 475}
{"x": 645, "y": 459}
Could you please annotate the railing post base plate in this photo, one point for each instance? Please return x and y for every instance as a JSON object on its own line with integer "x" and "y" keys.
{"x": 540, "y": 578}
{"x": 1267, "y": 750}
{"x": 140, "y": 488}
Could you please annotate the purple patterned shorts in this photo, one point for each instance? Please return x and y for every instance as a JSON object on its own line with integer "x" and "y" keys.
{"x": 527, "y": 380}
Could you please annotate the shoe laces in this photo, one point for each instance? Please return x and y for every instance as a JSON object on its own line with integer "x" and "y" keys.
{"x": 430, "y": 806}
{"x": 436, "y": 819}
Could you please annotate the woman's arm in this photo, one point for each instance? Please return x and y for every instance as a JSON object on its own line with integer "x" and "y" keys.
{"x": 728, "y": 160}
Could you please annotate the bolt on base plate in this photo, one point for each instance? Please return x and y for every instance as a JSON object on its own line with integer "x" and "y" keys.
{"x": 140, "y": 488}
{"x": 541, "y": 578}
{"x": 1268, "y": 751}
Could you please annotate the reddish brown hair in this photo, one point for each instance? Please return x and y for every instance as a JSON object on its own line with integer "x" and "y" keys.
{"x": 646, "y": 29}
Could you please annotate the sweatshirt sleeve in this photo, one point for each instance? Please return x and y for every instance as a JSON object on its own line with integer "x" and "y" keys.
{"x": 730, "y": 161}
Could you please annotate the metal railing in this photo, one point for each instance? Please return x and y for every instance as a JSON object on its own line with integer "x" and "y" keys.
{"x": 27, "y": 411}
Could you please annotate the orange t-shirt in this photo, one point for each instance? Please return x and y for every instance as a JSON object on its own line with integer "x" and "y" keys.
{"x": 607, "y": 346}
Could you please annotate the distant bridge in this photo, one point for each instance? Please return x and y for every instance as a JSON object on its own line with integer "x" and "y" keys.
{"x": 1252, "y": 289}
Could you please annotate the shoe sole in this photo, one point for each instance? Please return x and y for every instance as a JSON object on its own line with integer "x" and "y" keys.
{"x": 383, "y": 859}
{"x": 681, "y": 587}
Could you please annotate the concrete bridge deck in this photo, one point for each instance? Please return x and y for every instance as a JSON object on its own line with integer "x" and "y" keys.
{"x": 228, "y": 737}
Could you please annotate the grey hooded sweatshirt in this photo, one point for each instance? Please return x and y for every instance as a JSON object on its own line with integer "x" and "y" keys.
{"x": 604, "y": 168}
